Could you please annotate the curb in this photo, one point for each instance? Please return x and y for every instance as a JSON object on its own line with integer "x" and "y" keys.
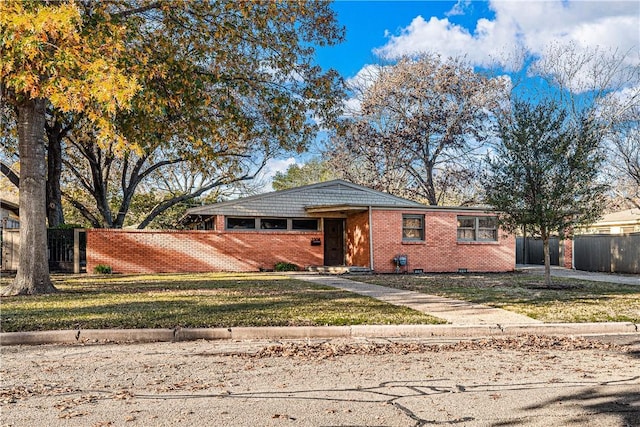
{"x": 85, "y": 336}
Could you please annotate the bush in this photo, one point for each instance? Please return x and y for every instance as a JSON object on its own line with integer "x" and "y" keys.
{"x": 102, "y": 269}
{"x": 286, "y": 266}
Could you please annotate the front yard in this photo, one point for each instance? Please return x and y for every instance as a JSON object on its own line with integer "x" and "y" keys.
{"x": 568, "y": 300}
{"x": 194, "y": 300}
{"x": 232, "y": 300}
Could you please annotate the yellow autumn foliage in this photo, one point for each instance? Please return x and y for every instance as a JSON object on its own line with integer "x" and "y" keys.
{"x": 46, "y": 53}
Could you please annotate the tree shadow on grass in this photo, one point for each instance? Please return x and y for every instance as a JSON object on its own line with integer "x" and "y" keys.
{"x": 261, "y": 307}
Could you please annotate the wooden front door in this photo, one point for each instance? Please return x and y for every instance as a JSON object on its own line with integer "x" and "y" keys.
{"x": 333, "y": 242}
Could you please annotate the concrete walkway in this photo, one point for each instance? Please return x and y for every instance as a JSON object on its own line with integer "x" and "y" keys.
{"x": 629, "y": 279}
{"x": 454, "y": 311}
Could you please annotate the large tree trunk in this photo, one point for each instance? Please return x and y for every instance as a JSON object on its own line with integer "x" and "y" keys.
{"x": 55, "y": 216}
{"x": 33, "y": 264}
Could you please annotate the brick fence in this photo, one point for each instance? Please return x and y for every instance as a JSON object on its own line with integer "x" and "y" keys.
{"x": 141, "y": 251}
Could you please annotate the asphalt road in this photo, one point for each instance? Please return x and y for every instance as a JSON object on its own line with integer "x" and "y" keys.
{"x": 525, "y": 381}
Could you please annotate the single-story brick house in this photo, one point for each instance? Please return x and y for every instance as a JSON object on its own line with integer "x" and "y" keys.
{"x": 334, "y": 223}
{"x": 339, "y": 223}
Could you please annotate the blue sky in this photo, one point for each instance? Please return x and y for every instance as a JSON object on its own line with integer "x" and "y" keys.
{"x": 370, "y": 23}
{"x": 488, "y": 33}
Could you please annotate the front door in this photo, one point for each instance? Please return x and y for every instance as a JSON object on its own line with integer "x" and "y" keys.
{"x": 333, "y": 242}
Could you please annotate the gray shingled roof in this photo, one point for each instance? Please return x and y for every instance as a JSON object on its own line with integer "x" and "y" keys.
{"x": 295, "y": 202}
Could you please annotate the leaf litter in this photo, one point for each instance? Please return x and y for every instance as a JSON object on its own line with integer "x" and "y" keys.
{"x": 331, "y": 349}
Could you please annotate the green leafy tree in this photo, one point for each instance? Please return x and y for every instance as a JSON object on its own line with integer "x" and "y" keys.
{"x": 206, "y": 82}
{"x": 312, "y": 172}
{"x": 544, "y": 172}
{"x": 225, "y": 86}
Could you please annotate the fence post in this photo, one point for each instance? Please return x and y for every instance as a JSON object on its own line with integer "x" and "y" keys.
{"x": 76, "y": 251}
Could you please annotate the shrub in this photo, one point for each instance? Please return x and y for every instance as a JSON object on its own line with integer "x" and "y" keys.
{"x": 102, "y": 269}
{"x": 286, "y": 266}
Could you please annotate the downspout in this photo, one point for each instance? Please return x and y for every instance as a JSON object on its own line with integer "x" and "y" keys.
{"x": 370, "y": 241}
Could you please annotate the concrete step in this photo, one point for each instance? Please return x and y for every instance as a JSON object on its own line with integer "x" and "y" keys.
{"x": 338, "y": 269}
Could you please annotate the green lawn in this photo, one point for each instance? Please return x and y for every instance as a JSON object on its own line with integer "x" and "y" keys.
{"x": 567, "y": 300}
{"x": 194, "y": 300}
{"x": 231, "y": 300}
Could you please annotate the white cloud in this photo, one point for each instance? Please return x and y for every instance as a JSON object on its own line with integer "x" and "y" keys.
{"x": 365, "y": 77}
{"x": 276, "y": 165}
{"x": 264, "y": 179}
{"x": 358, "y": 84}
{"x": 532, "y": 25}
{"x": 490, "y": 41}
{"x": 459, "y": 8}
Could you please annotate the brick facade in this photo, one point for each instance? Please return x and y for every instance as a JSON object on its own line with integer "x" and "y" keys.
{"x": 440, "y": 251}
{"x": 566, "y": 251}
{"x": 140, "y": 251}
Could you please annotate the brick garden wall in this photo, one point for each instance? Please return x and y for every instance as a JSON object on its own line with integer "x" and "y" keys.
{"x": 567, "y": 253}
{"x": 140, "y": 251}
{"x": 440, "y": 251}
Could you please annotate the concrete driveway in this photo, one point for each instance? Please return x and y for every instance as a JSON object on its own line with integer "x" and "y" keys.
{"x": 626, "y": 279}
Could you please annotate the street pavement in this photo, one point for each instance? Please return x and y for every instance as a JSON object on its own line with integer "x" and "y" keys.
{"x": 485, "y": 368}
{"x": 528, "y": 381}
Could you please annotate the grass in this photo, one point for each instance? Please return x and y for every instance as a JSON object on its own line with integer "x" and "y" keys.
{"x": 194, "y": 300}
{"x": 567, "y": 300}
{"x": 232, "y": 300}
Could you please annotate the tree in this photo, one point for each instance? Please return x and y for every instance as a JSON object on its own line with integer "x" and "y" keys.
{"x": 419, "y": 123}
{"x": 223, "y": 84}
{"x": 47, "y": 57}
{"x": 102, "y": 185}
{"x": 544, "y": 172}
{"x": 607, "y": 82}
{"x": 312, "y": 172}
{"x": 624, "y": 149}
{"x": 198, "y": 77}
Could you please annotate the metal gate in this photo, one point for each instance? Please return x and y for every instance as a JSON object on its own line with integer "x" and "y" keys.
{"x": 63, "y": 246}
{"x": 62, "y": 249}
{"x": 607, "y": 253}
{"x": 531, "y": 251}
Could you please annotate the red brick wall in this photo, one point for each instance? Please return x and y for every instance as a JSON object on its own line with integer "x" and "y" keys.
{"x": 140, "y": 251}
{"x": 440, "y": 251}
{"x": 357, "y": 240}
{"x": 567, "y": 251}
